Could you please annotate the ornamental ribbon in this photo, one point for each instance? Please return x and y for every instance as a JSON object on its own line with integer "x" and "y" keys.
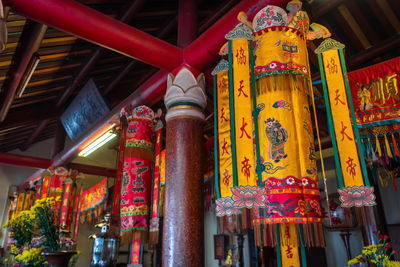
{"x": 120, "y": 165}
{"x": 45, "y": 187}
{"x": 289, "y": 252}
{"x": 224, "y": 131}
{"x": 162, "y": 168}
{"x": 66, "y": 199}
{"x": 341, "y": 120}
{"x": 345, "y": 140}
{"x": 28, "y": 200}
{"x": 78, "y": 212}
{"x": 20, "y": 203}
{"x": 242, "y": 115}
{"x": 154, "y": 222}
{"x": 38, "y": 189}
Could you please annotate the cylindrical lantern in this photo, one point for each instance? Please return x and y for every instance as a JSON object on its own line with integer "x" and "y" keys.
{"x": 137, "y": 173}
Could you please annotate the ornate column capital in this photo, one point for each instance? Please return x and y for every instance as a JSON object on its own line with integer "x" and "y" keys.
{"x": 185, "y": 95}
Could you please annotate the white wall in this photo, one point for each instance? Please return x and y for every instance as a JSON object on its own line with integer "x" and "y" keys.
{"x": 210, "y": 229}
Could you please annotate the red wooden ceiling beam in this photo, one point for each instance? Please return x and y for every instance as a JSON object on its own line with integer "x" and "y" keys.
{"x": 187, "y": 22}
{"x": 93, "y": 26}
{"x": 31, "y": 38}
{"x": 25, "y": 161}
{"x": 91, "y": 169}
{"x": 41, "y": 163}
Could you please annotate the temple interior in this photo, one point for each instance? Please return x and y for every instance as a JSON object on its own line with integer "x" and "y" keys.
{"x": 200, "y": 133}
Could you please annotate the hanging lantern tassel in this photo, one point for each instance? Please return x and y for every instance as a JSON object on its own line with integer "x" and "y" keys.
{"x": 396, "y": 150}
{"x": 389, "y": 152}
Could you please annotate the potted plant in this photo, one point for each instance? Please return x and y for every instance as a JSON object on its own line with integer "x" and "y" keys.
{"x": 36, "y": 236}
{"x": 49, "y": 230}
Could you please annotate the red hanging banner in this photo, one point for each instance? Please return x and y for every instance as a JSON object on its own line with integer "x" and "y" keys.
{"x": 375, "y": 93}
{"x": 94, "y": 196}
{"x": 136, "y": 194}
{"x": 78, "y": 212}
{"x": 154, "y": 222}
{"x": 45, "y": 187}
{"x": 65, "y": 202}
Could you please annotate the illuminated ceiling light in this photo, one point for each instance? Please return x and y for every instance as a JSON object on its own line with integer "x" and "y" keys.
{"x": 28, "y": 74}
{"x": 99, "y": 142}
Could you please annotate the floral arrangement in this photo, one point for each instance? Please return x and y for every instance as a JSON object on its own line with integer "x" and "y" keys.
{"x": 46, "y": 223}
{"x": 34, "y": 230}
{"x": 376, "y": 255}
{"x": 22, "y": 227}
{"x": 31, "y": 258}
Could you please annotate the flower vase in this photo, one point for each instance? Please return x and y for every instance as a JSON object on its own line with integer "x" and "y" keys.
{"x": 58, "y": 258}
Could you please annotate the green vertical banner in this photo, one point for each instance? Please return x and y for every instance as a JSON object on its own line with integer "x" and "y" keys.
{"x": 353, "y": 178}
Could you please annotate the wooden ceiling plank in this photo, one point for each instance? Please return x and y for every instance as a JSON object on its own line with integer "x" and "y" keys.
{"x": 55, "y": 69}
{"x": 31, "y": 39}
{"x": 325, "y": 7}
{"x": 380, "y": 15}
{"x": 364, "y": 24}
{"x": 60, "y": 56}
{"x": 59, "y": 40}
{"x": 23, "y": 117}
{"x": 38, "y": 100}
{"x": 46, "y": 81}
{"x": 390, "y": 14}
{"x": 355, "y": 27}
{"x": 6, "y": 131}
{"x": 347, "y": 30}
{"x": 16, "y": 23}
{"x": 44, "y": 91}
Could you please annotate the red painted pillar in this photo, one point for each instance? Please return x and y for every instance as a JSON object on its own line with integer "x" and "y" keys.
{"x": 183, "y": 234}
{"x": 187, "y": 22}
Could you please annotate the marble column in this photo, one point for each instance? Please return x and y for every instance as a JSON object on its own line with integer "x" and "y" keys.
{"x": 183, "y": 234}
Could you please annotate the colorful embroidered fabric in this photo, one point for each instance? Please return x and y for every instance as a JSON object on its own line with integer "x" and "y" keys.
{"x": 280, "y": 50}
{"x": 287, "y": 150}
{"x": 375, "y": 93}
{"x": 140, "y": 128}
{"x": 137, "y": 170}
{"x": 285, "y": 128}
{"x": 94, "y": 196}
{"x": 269, "y": 16}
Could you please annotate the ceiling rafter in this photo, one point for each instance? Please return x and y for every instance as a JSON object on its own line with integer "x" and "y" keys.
{"x": 30, "y": 42}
